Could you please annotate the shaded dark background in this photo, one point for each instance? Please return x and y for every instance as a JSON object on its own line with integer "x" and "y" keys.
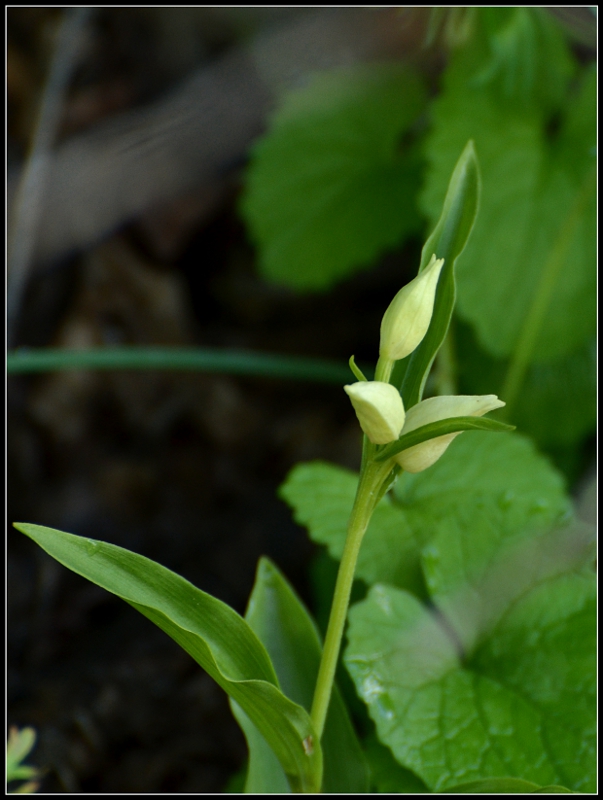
{"x": 181, "y": 467}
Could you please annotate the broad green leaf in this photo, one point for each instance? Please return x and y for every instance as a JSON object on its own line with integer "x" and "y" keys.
{"x": 447, "y": 241}
{"x": 505, "y": 786}
{"x": 477, "y": 470}
{"x": 545, "y": 649}
{"x": 387, "y": 776}
{"x": 209, "y": 630}
{"x": 440, "y": 428}
{"x": 479, "y": 562}
{"x": 526, "y": 280}
{"x": 557, "y": 401}
{"x": 522, "y": 706}
{"x": 286, "y": 629}
{"x": 330, "y": 186}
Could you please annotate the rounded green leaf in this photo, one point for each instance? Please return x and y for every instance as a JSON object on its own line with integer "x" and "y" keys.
{"x": 330, "y": 186}
{"x": 523, "y": 706}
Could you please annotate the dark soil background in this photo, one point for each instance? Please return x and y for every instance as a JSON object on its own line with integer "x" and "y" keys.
{"x": 181, "y": 467}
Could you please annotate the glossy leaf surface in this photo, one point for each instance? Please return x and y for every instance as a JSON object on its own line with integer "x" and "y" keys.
{"x": 508, "y": 709}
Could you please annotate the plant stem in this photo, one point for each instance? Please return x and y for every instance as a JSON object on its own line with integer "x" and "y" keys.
{"x": 367, "y": 496}
{"x": 383, "y": 370}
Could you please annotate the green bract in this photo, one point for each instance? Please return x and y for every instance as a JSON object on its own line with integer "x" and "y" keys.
{"x": 436, "y": 409}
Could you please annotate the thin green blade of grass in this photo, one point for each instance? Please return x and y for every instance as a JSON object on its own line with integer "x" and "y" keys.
{"x": 235, "y": 362}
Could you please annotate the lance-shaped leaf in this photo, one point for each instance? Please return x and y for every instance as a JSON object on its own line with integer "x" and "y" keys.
{"x": 290, "y": 636}
{"x": 447, "y": 241}
{"x": 210, "y": 631}
{"x": 440, "y": 428}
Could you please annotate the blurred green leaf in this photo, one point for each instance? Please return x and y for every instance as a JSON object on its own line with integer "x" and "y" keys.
{"x": 333, "y": 184}
{"x": 526, "y": 280}
{"x": 19, "y": 745}
{"x": 528, "y": 58}
{"x": 557, "y": 404}
{"x": 286, "y": 629}
{"x": 505, "y": 786}
{"x": 209, "y": 630}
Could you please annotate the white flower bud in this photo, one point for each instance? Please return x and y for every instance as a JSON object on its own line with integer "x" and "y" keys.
{"x": 423, "y": 455}
{"x": 379, "y": 409}
{"x": 407, "y": 318}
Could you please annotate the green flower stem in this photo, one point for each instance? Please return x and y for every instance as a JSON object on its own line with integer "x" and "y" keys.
{"x": 367, "y": 496}
{"x": 384, "y": 369}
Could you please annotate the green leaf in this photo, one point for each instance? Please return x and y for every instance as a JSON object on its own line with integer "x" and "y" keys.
{"x": 479, "y": 562}
{"x": 210, "y": 631}
{"x": 286, "y": 629}
{"x": 20, "y": 744}
{"x": 557, "y": 404}
{"x": 526, "y": 280}
{"x": 505, "y": 786}
{"x": 447, "y": 241}
{"x": 523, "y": 706}
{"x": 330, "y": 186}
{"x": 440, "y": 428}
{"x": 477, "y": 470}
{"x": 387, "y": 776}
{"x": 528, "y": 58}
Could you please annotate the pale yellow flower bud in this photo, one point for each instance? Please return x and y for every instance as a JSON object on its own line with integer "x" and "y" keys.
{"x": 407, "y": 318}
{"x": 423, "y": 455}
{"x": 379, "y": 409}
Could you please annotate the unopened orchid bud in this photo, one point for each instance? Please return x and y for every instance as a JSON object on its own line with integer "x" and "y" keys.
{"x": 379, "y": 409}
{"x": 423, "y": 455}
{"x": 407, "y": 318}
